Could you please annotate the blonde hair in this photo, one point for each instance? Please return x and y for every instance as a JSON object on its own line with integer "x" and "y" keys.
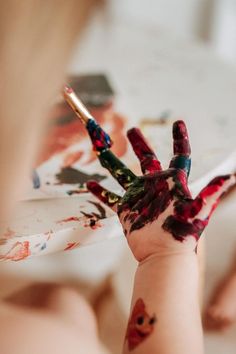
{"x": 36, "y": 40}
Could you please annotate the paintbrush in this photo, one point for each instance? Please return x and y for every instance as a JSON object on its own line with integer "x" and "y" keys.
{"x": 101, "y": 141}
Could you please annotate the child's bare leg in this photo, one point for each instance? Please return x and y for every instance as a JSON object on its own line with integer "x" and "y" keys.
{"x": 56, "y": 320}
{"x": 59, "y": 300}
{"x": 221, "y": 310}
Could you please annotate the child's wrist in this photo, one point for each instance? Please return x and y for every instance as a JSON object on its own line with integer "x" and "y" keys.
{"x": 168, "y": 256}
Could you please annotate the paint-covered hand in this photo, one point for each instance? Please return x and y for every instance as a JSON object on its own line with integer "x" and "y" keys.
{"x": 157, "y": 212}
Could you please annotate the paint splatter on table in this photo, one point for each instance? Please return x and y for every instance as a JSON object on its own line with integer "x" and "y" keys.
{"x": 45, "y": 226}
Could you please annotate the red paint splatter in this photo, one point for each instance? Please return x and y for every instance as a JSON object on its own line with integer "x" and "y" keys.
{"x": 71, "y": 245}
{"x": 19, "y": 251}
{"x": 71, "y": 218}
{"x": 140, "y": 325}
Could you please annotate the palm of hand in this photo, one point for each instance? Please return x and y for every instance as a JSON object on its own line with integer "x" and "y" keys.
{"x": 157, "y": 209}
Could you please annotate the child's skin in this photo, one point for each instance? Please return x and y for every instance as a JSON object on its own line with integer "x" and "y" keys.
{"x": 221, "y": 310}
{"x": 163, "y": 224}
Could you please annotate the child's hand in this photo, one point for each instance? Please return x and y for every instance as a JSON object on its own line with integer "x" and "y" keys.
{"x": 157, "y": 211}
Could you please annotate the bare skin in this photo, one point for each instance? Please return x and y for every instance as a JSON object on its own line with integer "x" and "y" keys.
{"x": 32, "y": 319}
{"x": 220, "y": 313}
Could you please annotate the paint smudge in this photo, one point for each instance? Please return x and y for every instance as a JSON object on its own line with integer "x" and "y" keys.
{"x": 18, "y": 252}
{"x": 101, "y": 211}
{"x": 77, "y": 191}
{"x": 102, "y": 143}
{"x": 92, "y": 219}
{"x": 9, "y": 233}
{"x": 117, "y": 168}
{"x": 71, "y": 245}
{"x": 107, "y": 197}
{"x": 182, "y": 148}
{"x": 140, "y": 325}
{"x": 163, "y": 119}
{"x": 185, "y": 220}
{"x": 69, "y": 219}
{"x": 2, "y": 243}
{"x": 70, "y": 175}
{"x": 48, "y": 234}
{"x": 36, "y": 179}
{"x": 43, "y": 246}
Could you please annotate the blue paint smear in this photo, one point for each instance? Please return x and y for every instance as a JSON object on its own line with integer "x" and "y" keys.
{"x": 36, "y": 180}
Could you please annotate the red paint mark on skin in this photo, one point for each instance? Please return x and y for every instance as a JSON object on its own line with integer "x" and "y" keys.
{"x": 104, "y": 195}
{"x": 147, "y": 157}
{"x": 140, "y": 325}
{"x": 9, "y": 233}
{"x": 71, "y": 218}
{"x": 72, "y": 158}
{"x": 184, "y": 221}
{"x": 180, "y": 136}
{"x": 19, "y": 251}
{"x": 71, "y": 245}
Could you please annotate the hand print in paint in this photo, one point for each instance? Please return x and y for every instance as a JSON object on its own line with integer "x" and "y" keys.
{"x": 140, "y": 325}
{"x": 157, "y": 210}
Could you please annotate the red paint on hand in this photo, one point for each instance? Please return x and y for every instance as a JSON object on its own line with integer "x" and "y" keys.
{"x": 149, "y": 161}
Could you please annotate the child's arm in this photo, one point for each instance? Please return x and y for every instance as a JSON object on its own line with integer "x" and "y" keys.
{"x": 163, "y": 223}
{"x": 165, "y": 315}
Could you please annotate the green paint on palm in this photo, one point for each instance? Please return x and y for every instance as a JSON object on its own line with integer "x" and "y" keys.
{"x": 117, "y": 169}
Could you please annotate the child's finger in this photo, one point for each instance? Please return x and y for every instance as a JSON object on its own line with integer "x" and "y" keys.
{"x": 101, "y": 144}
{"x": 181, "y": 147}
{"x": 209, "y": 197}
{"x": 109, "y": 198}
{"x": 148, "y": 160}
{"x": 100, "y": 139}
{"x": 124, "y": 176}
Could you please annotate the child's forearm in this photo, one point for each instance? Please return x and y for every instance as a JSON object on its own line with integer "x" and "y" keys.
{"x": 165, "y": 313}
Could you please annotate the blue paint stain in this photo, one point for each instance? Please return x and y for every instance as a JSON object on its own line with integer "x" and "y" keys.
{"x": 36, "y": 180}
{"x": 44, "y": 245}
